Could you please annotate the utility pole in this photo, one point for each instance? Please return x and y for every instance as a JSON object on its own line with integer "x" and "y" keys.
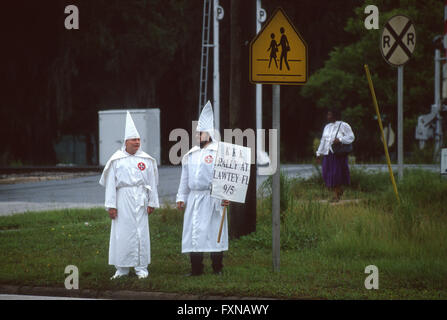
{"x": 242, "y": 108}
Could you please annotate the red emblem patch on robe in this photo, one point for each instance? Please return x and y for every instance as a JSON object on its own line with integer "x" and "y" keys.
{"x": 141, "y": 166}
{"x": 209, "y": 159}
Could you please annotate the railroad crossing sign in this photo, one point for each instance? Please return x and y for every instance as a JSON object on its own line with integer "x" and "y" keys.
{"x": 398, "y": 40}
{"x": 278, "y": 54}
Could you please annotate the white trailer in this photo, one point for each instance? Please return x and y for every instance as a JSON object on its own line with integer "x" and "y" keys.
{"x": 111, "y": 131}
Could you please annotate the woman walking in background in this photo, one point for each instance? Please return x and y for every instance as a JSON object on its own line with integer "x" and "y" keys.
{"x": 335, "y": 167}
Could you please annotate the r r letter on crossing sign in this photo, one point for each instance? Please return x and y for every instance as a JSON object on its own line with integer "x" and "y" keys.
{"x": 398, "y": 40}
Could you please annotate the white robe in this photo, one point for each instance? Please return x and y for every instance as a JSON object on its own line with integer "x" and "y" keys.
{"x": 131, "y": 186}
{"x": 203, "y": 213}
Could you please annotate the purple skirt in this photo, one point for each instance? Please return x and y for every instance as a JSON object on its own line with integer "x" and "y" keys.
{"x": 335, "y": 170}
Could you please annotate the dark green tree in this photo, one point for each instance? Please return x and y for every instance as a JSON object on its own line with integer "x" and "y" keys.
{"x": 342, "y": 84}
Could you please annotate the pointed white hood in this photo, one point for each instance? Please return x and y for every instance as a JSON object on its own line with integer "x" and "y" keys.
{"x": 131, "y": 131}
{"x": 206, "y": 120}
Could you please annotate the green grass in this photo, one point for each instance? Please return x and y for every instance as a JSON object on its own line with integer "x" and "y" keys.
{"x": 324, "y": 248}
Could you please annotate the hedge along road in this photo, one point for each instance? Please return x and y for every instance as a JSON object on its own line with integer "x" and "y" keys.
{"x": 85, "y": 192}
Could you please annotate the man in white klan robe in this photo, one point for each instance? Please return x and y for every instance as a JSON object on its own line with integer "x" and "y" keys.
{"x": 203, "y": 213}
{"x": 130, "y": 178}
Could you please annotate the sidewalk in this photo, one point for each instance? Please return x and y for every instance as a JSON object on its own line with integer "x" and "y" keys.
{"x": 108, "y": 294}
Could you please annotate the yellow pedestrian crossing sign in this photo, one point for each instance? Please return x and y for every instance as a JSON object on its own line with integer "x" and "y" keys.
{"x": 278, "y": 54}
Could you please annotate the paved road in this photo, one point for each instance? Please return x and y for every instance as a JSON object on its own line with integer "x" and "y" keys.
{"x": 29, "y": 297}
{"x": 85, "y": 192}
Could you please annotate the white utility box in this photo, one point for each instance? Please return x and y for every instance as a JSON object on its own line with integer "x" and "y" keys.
{"x": 112, "y": 124}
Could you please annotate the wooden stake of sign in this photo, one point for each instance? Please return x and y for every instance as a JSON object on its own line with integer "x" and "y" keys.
{"x": 221, "y": 224}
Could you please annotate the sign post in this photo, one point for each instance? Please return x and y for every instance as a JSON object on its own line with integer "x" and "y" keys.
{"x": 400, "y": 121}
{"x": 444, "y": 161}
{"x": 276, "y": 181}
{"x": 278, "y": 56}
{"x": 261, "y": 155}
{"x": 398, "y": 41}
{"x": 218, "y": 14}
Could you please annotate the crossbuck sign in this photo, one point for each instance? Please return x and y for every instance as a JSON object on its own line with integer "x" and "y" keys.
{"x": 398, "y": 40}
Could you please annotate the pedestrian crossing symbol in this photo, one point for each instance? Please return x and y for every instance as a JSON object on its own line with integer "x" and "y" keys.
{"x": 278, "y": 54}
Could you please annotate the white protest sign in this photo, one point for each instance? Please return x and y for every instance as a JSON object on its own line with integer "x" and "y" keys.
{"x": 231, "y": 172}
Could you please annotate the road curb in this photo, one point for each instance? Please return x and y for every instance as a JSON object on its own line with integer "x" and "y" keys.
{"x": 30, "y": 179}
{"x": 112, "y": 295}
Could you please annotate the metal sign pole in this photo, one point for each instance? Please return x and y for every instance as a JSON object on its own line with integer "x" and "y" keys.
{"x": 400, "y": 31}
{"x": 276, "y": 222}
{"x": 216, "y": 75}
{"x": 438, "y": 131}
{"x": 266, "y": 69}
{"x": 258, "y": 94}
{"x": 400, "y": 120}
